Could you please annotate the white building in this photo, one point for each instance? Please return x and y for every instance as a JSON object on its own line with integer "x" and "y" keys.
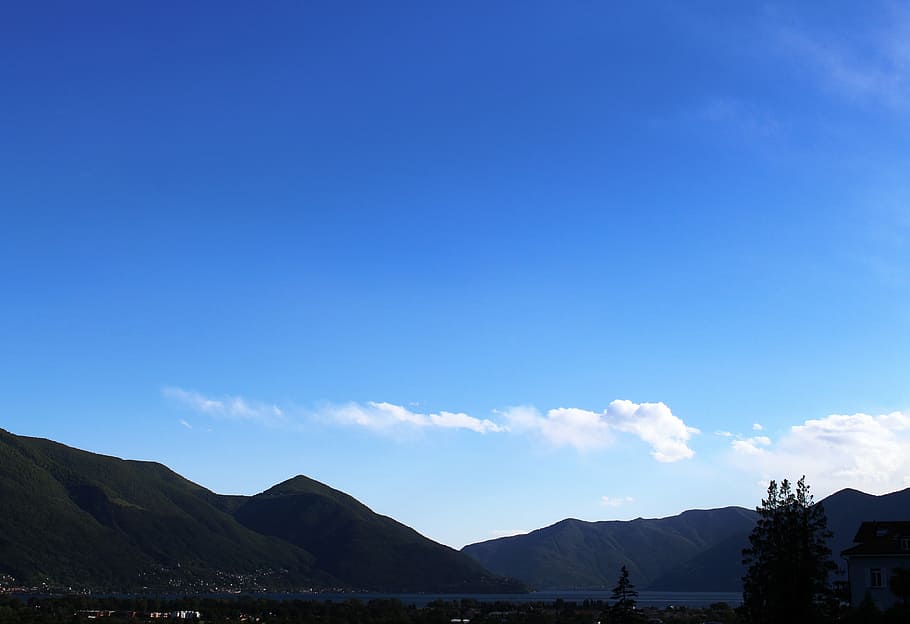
{"x": 881, "y": 548}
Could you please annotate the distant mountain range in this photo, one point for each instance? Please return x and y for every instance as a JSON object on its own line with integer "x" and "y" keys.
{"x": 73, "y": 518}
{"x": 697, "y": 550}
{"x": 70, "y": 518}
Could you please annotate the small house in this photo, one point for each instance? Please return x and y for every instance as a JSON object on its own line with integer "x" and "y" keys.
{"x": 880, "y": 548}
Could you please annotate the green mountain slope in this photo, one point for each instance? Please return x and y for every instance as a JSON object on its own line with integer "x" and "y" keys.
{"x": 70, "y": 517}
{"x": 577, "y": 554}
{"x": 363, "y": 548}
{"x": 75, "y": 517}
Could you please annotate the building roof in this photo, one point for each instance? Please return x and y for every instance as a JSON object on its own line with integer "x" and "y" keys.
{"x": 881, "y": 538}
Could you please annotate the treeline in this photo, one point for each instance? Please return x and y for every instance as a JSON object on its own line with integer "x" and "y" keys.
{"x": 75, "y": 608}
{"x": 377, "y": 611}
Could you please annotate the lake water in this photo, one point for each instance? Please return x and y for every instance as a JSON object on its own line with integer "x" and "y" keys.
{"x": 660, "y": 599}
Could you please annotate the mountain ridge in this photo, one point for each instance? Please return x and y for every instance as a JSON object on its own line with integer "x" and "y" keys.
{"x": 76, "y": 518}
{"x": 694, "y": 559}
{"x": 373, "y": 547}
{"x": 579, "y": 554}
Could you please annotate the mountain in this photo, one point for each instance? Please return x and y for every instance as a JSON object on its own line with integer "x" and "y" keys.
{"x": 721, "y": 567}
{"x": 75, "y": 518}
{"x": 351, "y": 542}
{"x": 70, "y": 517}
{"x": 846, "y": 509}
{"x": 662, "y": 554}
{"x": 577, "y": 554}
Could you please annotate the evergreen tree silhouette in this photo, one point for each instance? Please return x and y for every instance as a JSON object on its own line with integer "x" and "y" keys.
{"x": 788, "y": 560}
{"x": 624, "y": 595}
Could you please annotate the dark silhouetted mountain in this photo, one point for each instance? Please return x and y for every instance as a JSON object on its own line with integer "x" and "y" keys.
{"x": 353, "y": 543}
{"x": 576, "y": 554}
{"x": 70, "y": 517}
{"x": 720, "y": 567}
{"x": 695, "y": 551}
{"x": 847, "y": 509}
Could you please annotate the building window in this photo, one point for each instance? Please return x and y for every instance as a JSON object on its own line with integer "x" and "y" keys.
{"x": 905, "y": 543}
{"x": 875, "y": 577}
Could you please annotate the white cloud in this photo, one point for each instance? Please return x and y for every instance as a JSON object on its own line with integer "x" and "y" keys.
{"x": 608, "y": 501}
{"x": 381, "y": 415}
{"x": 866, "y": 452}
{"x": 723, "y": 434}
{"x": 451, "y": 420}
{"x": 585, "y": 430}
{"x": 757, "y": 427}
{"x": 372, "y": 415}
{"x": 655, "y": 424}
{"x": 582, "y": 429}
{"x": 229, "y": 407}
{"x": 751, "y": 446}
{"x": 185, "y": 424}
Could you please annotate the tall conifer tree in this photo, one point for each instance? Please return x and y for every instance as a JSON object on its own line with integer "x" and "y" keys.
{"x": 788, "y": 560}
{"x": 624, "y": 594}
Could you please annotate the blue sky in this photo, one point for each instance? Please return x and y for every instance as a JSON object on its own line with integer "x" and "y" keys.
{"x": 482, "y": 265}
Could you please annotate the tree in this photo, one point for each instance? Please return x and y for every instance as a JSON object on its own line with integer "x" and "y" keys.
{"x": 624, "y": 595}
{"x": 788, "y": 560}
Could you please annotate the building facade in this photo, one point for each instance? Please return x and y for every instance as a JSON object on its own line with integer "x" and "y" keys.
{"x": 880, "y": 550}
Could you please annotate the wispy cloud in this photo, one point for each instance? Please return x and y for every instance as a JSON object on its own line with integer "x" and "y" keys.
{"x": 608, "y": 501}
{"x": 185, "y": 424}
{"x": 586, "y": 430}
{"x": 384, "y": 416}
{"x": 580, "y": 429}
{"x": 751, "y": 446}
{"x": 859, "y": 450}
{"x": 873, "y": 65}
{"x": 228, "y": 407}
{"x": 747, "y": 445}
